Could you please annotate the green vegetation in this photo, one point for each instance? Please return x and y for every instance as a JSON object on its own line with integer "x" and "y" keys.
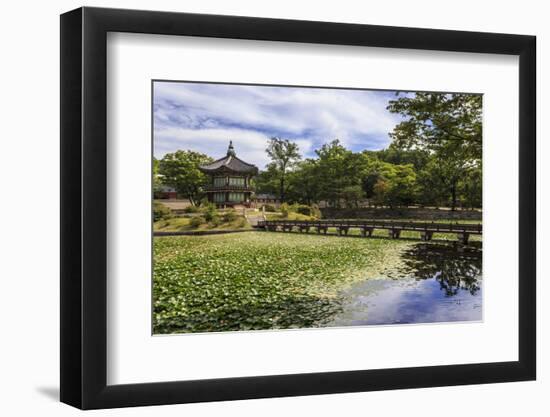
{"x": 192, "y": 209}
{"x": 161, "y": 212}
{"x": 284, "y": 156}
{"x": 261, "y": 280}
{"x": 256, "y": 280}
{"x": 207, "y": 217}
{"x": 180, "y": 170}
{"x": 434, "y": 159}
{"x": 199, "y": 223}
{"x": 290, "y": 216}
{"x": 197, "y": 218}
{"x": 296, "y": 212}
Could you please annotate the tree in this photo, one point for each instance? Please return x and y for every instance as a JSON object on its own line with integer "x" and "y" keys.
{"x": 303, "y": 182}
{"x": 398, "y": 156}
{"x": 157, "y": 183}
{"x": 284, "y": 155}
{"x": 432, "y": 185}
{"x": 403, "y": 186}
{"x": 448, "y": 127}
{"x": 380, "y": 191}
{"x": 180, "y": 170}
{"x": 339, "y": 169}
{"x": 267, "y": 182}
{"x": 372, "y": 173}
{"x": 435, "y": 120}
{"x": 396, "y": 185}
{"x": 352, "y": 195}
{"x": 470, "y": 187}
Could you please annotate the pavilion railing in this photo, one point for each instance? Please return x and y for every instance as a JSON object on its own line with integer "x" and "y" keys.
{"x": 228, "y": 188}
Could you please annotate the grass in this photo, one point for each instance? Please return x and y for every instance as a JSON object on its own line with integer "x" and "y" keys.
{"x": 259, "y": 280}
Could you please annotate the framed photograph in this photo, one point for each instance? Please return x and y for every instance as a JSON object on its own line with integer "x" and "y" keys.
{"x": 258, "y": 208}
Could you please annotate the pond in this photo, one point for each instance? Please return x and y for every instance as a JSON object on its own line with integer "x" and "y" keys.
{"x": 443, "y": 283}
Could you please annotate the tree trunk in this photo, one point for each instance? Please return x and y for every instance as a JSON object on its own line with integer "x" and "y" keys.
{"x": 453, "y": 196}
{"x": 282, "y": 189}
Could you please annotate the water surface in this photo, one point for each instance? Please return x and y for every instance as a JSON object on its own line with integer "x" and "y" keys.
{"x": 442, "y": 283}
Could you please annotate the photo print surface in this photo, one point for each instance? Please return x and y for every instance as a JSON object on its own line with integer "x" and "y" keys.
{"x": 292, "y": 207}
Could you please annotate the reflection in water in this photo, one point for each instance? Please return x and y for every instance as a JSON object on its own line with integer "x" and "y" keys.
{"x": 453, "y": 265}
{"x": 443, "y": 284}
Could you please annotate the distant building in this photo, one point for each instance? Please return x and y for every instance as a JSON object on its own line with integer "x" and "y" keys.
{"x": 166, "y": 193}
{"x": 264, "y": 199}
{"x": 230, "y": 177}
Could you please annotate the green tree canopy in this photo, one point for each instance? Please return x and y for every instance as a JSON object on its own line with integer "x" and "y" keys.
{"x": 284, "y": 155}
{"x": 396, "y": 185}
{"x": 180, "y": 170}
{"x": 303, "y": 181}
{"x": 449, "y": 128}
{"x": 436, "y": 120}
{"x": 156, "y": 178}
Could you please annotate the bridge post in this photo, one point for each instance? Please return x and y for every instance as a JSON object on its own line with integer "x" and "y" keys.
{"x": 342, "y": 229}
{"x": 463, "y": 237}
{"x": 426, "y": 236}
{"x": 366, "y": 231}
{"x": 394, "y": 233}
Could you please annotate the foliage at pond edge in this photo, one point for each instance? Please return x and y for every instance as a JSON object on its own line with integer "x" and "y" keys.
{"x": 253, "y": 280}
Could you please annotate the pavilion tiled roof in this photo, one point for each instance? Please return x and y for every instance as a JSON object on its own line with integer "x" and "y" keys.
{"x": 230, "y": 162}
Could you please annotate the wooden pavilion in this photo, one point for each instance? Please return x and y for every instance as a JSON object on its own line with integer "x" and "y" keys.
{"x": 230, "y": 183}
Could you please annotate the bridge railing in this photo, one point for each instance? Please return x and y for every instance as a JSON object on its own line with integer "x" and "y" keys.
{"x": 378, "y": 224}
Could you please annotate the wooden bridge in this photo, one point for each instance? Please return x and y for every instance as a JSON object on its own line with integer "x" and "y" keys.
{"x": 366, "y": 227}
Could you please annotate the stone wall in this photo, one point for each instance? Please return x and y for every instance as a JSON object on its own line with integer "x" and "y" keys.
{"x": 401, "y": 213}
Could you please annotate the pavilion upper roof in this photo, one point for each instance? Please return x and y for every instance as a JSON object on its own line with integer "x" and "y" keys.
{"x": 230, "y": 162}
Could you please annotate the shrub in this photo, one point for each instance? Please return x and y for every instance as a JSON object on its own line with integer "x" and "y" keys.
{"x": 303, "y": 209}
{"x": 210, "y": 212}
{"x": 216, "y": 221}
{"x": 197, "y": 221}
{"x": 230, "y": 216}
{"x": 316, "y": 211}
{"x": 285, "y": 209}
{"x": 191, "y": 209}
{"x": 312, "y": 211}
{"x": 269, "y": 207}
{"x": 211, "y": 215}
{"x": 161, "y": 212}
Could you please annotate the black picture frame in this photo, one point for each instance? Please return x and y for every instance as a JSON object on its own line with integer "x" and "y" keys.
{"x": 84, "y": 207}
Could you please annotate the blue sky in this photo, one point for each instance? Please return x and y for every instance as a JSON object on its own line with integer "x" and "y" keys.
{"x": 204, "y": 117}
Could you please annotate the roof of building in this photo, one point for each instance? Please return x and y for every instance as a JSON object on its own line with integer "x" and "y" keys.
{"x": 230, "y": 162}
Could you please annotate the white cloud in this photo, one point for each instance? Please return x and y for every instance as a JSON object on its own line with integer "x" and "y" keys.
{"x": 249, "y": 145}
{"x": 204, "y": 117}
